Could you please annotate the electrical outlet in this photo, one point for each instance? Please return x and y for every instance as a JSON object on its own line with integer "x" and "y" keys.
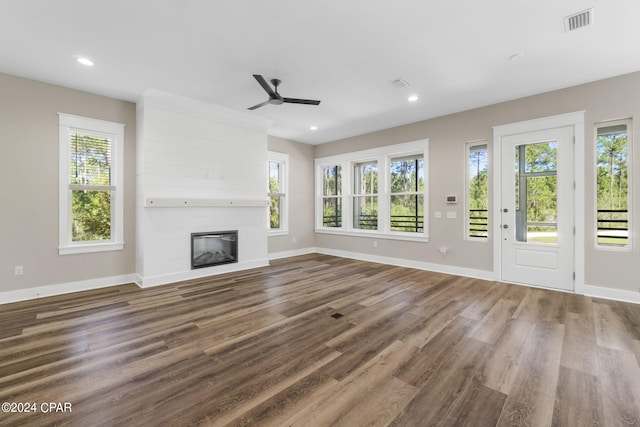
{"x": 18, "y": 270}
{"x": 375, "y": 244}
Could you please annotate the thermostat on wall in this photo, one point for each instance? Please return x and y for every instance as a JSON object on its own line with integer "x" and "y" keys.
{"x": 452, "y": 200}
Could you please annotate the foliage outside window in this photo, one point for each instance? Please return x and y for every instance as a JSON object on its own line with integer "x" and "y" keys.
{"x": 612, "y": 186}
{"x": 536, "y": 192}
{"x": 477, "y": 191}
{"x": 276, "y": 193}
{"x": 407, "y": 194}
{"x": 332, "y": 196}
{"x": 365, "y": 196}
{"x": 91, "y": 201}
{"x": 379, "y": 192}
{"x": 91, "y": 189}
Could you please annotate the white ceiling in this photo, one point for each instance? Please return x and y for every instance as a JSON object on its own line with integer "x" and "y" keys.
{"x": 454, "y": 53}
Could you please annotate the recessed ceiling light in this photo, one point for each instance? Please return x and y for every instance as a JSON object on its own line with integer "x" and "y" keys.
{"x": 413, "y": 98}
{"x": 313, "y": 127}
{"x": 85, "y": 61}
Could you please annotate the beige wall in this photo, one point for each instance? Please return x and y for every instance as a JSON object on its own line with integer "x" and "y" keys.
{"x": 29, "y": 176}
{"x": 29, "y": 189}
{"x": 603, "y": 100}
{"x": 300, "y": 196}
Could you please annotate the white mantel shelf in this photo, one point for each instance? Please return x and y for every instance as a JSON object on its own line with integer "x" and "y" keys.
{"x": 156, "y": 202}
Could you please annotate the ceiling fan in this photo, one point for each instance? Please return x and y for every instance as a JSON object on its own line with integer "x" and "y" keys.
{"x": 274, "y": 97}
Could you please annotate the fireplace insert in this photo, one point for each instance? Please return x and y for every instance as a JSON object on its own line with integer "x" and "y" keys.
{"x": 213, "y": 248}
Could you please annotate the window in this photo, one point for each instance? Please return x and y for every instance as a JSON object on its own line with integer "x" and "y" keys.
{"x": 277, "y": 193}
{"x": 477, "y": 196}
{"x": 332, "y": 196}
{"x": 613, "y": 145}
{"x": 407, "y": 194}
{"x": 381, "y": 192}
{"x": 365, "y": 196}
{"x": 91, "y": 180}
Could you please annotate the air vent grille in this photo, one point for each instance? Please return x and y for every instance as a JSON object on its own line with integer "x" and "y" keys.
{"x": 578, "y": 20}
{"x": 400, "y": 83}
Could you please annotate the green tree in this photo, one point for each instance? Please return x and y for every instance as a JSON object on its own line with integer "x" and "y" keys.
{"x": 612, "y": 183}
{"x": 90, "y": 177}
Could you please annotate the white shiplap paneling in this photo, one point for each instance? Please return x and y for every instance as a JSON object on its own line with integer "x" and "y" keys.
{"x": 193, "y": 150}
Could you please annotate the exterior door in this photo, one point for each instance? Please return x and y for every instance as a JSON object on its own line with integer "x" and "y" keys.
{"x": 537, "y": 226}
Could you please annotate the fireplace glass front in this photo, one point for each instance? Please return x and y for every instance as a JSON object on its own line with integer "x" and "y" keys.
{"x": 213, "y": 248}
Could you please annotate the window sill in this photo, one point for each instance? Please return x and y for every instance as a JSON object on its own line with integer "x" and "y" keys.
{"x": 476, "y": 239}
{"x": 90, "y": 247}
{"x": 277, "y": 233}
{"x": 375, "y": 235}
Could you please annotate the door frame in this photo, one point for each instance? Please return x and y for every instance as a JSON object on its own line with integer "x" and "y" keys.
{"x": 576, "y": 120}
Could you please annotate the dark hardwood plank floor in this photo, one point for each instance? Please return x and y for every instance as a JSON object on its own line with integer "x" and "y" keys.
{"x": 317, "y": 340}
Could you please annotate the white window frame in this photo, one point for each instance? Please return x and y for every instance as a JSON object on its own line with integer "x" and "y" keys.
{"x": 323, "y": 197}
{"x": 283, "y": 160}
{"x": 614, "y": 248}
{"x": 69, "y": 124}
{"x": 356, "y": 195}
{"x": 382, "y": 156}
{"x": 467, "y": 202}
{"x": 390, "y": 160}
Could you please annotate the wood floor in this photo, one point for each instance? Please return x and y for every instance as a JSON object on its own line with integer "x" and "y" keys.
{"x": 322, "y": 341}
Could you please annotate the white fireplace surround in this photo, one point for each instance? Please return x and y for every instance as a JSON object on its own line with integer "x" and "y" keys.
{"x": 200, "y": 167}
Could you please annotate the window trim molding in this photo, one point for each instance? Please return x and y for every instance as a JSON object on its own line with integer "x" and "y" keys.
{"x": 283, "y": 160}
{"x": 465, "y": 224}
{"x": 66, "y": 124}
{"x": 630, "y": 214}
{"x": 383, "y": 156}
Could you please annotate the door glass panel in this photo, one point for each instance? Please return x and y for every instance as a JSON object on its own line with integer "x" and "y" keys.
{"x": 536, "y": 193}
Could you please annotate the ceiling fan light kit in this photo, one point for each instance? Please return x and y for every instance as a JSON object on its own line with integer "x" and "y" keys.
{"x": 274, "y": 97}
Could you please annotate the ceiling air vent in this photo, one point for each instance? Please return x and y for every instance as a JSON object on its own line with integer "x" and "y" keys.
{"x": 400, "y": 83}
{"x": 578, "y": 20}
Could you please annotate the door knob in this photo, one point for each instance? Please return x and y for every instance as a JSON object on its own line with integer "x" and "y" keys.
{"x": 505, "y": 210}
{"x": 505, "y": 226}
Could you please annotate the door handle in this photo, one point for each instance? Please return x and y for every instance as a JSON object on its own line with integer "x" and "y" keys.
{"x": 505, "y": 226}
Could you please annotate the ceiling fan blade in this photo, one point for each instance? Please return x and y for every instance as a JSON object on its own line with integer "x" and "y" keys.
{"x": 265, "y": 85}
{"x": 262, "y": 104}
{"x": 301, "y": 101}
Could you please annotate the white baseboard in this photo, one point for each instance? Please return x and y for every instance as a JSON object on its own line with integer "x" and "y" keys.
{"x": 64, "y": 288}
{"x": 439, "y": 268}
{"x": 611, "y": 293}
{"x": 144, "y": 282}
{"x": 295, "y": 252}
{"x": 149, "y": 281}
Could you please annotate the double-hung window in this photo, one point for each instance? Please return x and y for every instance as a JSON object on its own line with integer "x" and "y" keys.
{"x": 331, "y": 176}
{"x": 365, "y": 195}
{"x": 380, "y": 192}
{"x": 277, "y": 193}
{"x": 407, "y": 194}
{"x": 91, "y": 181}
